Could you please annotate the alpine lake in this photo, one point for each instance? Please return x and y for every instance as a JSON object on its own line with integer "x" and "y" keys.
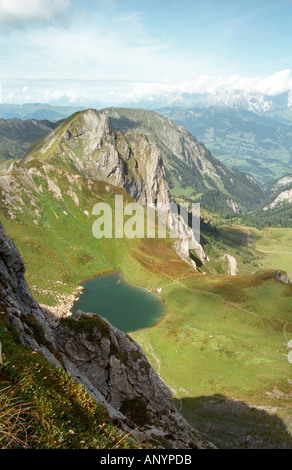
{"x": 127, "y": 307}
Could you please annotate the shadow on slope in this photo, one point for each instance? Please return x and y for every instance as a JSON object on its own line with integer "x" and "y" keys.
{"x": 233, "y": 424}
{"x": 123, "y": 124}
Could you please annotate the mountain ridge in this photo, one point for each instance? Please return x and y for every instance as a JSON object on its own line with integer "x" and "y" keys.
{"x": 187, "y": 165}
{"x": 191, "y": 169}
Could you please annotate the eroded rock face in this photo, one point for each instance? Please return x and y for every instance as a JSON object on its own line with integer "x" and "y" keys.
{"x": 230, "y": 264}
{"x": 283, "y": 197}
{"x": 17, "y": 302}
{"x": 234, "y": 206}
{"x": 117, "y": 367}
{"x": 109, "y": 364}
{"x": 99, "y": 152}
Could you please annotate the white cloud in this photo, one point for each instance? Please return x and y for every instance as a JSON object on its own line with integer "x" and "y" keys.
{"x": 104, "y": 52}
{"x": 71, "y": 96}
{"x": 276, "y": 84}
{"x": 118, "y": 92}
{"x": 17, "y": 13}
{"x": 273, "y": 85}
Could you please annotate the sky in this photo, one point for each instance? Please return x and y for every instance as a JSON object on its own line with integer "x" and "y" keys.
{"x": 110, "y": 51}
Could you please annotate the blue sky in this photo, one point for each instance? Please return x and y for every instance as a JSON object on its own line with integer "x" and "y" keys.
{"x": 110, "y": 49}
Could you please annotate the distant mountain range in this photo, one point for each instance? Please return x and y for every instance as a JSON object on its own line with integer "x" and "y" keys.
{"x": 271, "y": 106}
{"x": 17, "y": 136}
{"x": 251, "y": 142}
{"x": 39, "y": 111}
{"x": 278, "y": 107}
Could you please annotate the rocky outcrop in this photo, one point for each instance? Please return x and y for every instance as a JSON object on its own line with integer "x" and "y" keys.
{"x": 234, "y": 206}
{"x": 230, "y": 264}
{"x": 108, "y": 363}
{"x": 187, "y": 241}
{"x": 283, "y": 197}
{"x": 117, "y": 368}
{"x": 283, "y": 277}
{"x": 18, "y": 304}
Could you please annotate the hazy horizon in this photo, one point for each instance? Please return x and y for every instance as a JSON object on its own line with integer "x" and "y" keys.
{"x": 114, "y": 52}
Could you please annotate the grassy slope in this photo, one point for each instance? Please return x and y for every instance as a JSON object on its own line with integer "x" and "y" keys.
{"x": 270, "y": 247}
{"x": 220, "y": 335}
{"x": 41, "y": 407}
{"x": 227, "y": 337}
{"x": 276, "y": 247}
{"x": 63, "y": 238}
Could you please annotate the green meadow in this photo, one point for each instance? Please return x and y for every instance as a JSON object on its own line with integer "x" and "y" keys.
{"x": 220, "y": 335}
{"x": 275, "y": 244}
{"x": 225, "y": 338}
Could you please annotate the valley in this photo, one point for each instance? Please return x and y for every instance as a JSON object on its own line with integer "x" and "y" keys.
{"x": 145, "y": 228}
{"x": 222, "y": 343}
{"x": 256, "y": 143}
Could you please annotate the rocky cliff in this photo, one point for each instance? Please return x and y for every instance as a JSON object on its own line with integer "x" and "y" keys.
{"x": 132, "y": 161}
{"x": 278, "y": 192}
{"x": 191, "y": 169}
{"x": 88, "y": 143}
{"x": 283, "y": 197}
{"x": 108, "y": 363}
{"x": 229, "y": 264}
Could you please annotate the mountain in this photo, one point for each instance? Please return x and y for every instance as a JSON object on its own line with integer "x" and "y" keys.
{"x": 39, "y": 111}
{"x": 17, "y": 136}
{"x": 276, "y": 208}
{"x": 142, "y": 150}
{"x": 86, "y": 142}
{"x": 278, "y": 106}
{"x": 241, "y": 139}
{"x": 217, "y": 329}
{"x": 191, "y": 170}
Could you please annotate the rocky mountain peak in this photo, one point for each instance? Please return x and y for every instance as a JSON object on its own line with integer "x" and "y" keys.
{"x": 87, "y": 142}
{"x": 133, "y": 161}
